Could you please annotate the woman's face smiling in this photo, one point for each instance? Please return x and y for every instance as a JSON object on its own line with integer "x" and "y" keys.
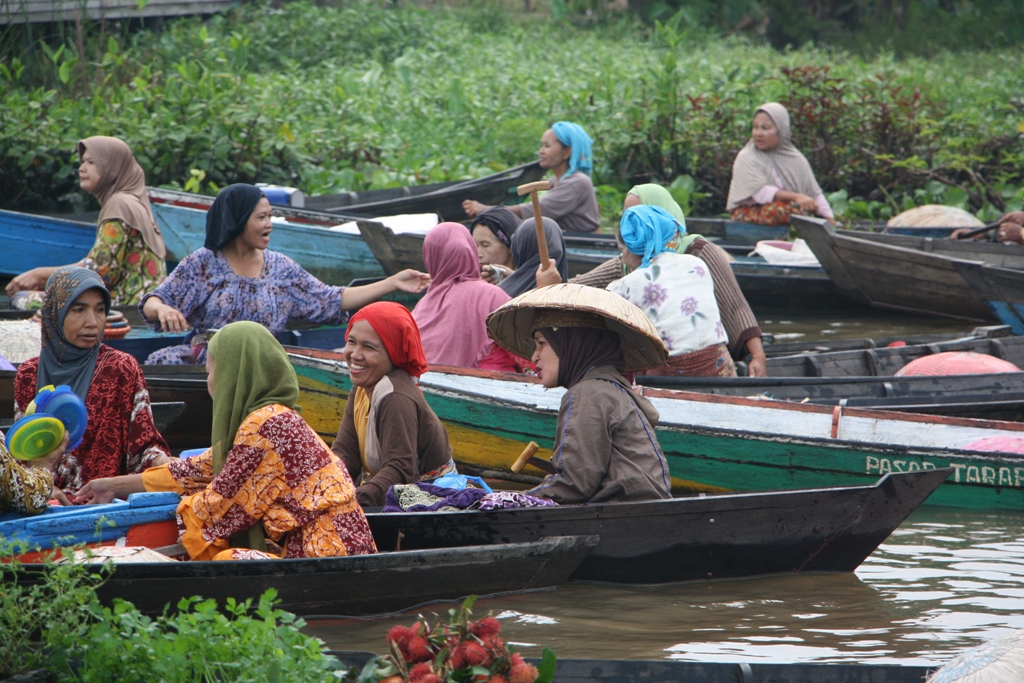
{"x": 546, "y": 360}
{"x": 257, "y": 230}
{"x": 489, "y": 248}
{"x": 765, "y": 132}
{"x": 366, "y": 356}
{"x": 85, "y": 320}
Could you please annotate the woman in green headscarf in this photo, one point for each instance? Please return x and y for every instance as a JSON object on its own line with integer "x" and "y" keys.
{"x": 739, "y": 321}
{"x": 269, "y": 486}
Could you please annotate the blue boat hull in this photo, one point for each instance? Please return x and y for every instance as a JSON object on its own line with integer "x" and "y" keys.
{"x": 29, "y": 241}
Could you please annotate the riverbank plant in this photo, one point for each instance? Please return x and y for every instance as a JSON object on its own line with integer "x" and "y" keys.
{"x": 357, "y": 95}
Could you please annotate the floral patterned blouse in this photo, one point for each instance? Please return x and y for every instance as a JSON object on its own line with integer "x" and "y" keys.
{"x": 128, "y": 266}
{"x": 211, "y": 295}
{"x": 677, "y": 293}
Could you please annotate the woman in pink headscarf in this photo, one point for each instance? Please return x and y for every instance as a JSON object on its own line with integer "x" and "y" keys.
{"x": 452, "y": 315}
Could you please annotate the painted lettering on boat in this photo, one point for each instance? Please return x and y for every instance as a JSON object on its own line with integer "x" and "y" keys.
{"x": 970, "y": 474}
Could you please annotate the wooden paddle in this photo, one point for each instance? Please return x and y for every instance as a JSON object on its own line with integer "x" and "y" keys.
{"x": 526, "y": 457}
{"x": 542, "y": 241}
{"x": 977, "y": 231}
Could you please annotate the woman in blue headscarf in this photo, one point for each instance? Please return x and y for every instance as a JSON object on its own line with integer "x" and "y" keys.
{"x": 565, "y": 150}
{"x": 675, "y": 291}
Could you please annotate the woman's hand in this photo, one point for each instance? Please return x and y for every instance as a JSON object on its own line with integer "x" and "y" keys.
{"x": 59, "y": 496}
{"x": 1010, "y": 232}
{"x": 473, "y": 207}
{"x": 806, "y": 204}
{"x": 757, "y": 366}
{"x": 548, "y": 274}
{"x": 1013, "y": 217}
{"x": 97, "y": 492}
{"x": 409, "y": 280}
{"x": 170, "y": 318}
{"x": 33, "y": 280}
{"x": 49, "y": 462}
{"x": 494, "y": 273}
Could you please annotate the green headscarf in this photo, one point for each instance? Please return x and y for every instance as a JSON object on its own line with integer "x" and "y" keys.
{"x": 251, "y": 371}
{"x": 651, "y": 194}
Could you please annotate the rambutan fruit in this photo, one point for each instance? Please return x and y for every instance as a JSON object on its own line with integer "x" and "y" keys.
{"x": 522, "y": 673}
{"x": 419, "y": 650}
{"x": 486, "y": 627}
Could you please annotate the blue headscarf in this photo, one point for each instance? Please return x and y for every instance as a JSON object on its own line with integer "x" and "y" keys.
{"x": 646, "y": 230}
{"x": 573, "y": 135}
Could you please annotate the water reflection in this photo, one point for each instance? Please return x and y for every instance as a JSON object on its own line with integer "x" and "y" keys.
{"x": 791, "y": 325}
{"x": 944, "y": 581}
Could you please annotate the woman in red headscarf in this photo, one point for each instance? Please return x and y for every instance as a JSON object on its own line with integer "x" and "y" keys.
{"x": 389, "y": 435}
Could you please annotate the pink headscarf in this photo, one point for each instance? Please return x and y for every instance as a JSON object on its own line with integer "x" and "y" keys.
{"x": 452, "y": 314}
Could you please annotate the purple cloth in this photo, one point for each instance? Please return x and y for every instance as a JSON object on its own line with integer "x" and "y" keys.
{"x": 210, "y": 295}
{"x": 4, "y": 365}
{"x": 512, "y": 499}
{"x": 455, "y": 498}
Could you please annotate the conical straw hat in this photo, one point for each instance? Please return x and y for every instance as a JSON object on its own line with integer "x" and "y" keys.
{"x": 566, "y": 305}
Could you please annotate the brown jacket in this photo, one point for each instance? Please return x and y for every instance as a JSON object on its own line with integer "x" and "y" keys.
{"x": 411, "y": 439}
{"x": 739, "y": 321}
{"x": 605, "y": 447}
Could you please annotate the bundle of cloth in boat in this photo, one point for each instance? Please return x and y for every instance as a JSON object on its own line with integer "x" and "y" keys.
{"x": 424, "y": 497}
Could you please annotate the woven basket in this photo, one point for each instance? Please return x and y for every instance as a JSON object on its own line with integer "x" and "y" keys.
{"x": 566, "y": 305}
{"x": 934, "y": 216}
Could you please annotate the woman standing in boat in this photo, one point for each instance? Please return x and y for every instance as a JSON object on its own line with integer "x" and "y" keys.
{"x": 741, "y": 328}
{"x": 388, "y": 435}
{"x": 236, "y": 277}
{"x": 269, "y": 486}
{"x": 584, "y": 339}
{"x": 771, "y": 179}
{"x": 565, "y": 150}
{"x": 121, "y": 436}
{"x": 129, "y": 250}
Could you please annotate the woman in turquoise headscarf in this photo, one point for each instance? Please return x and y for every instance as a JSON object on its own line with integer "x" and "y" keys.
{"x": 675, "y": 291}
{"x": 565, "y": 150}
{"x": 744, "y": 335}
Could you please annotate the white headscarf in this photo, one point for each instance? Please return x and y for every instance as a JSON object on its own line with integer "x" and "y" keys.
{"x": 752, "y": 169}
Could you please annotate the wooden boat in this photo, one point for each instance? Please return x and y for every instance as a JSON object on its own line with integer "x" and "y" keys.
{"x": 697, "y": 537}
{"x": 31, "y": 241}
{"x": 445, "y": 201}
{"x": 712, "y": 443}
{"x": 675, "y": 671}
{"x": 333, "y": 257}
{"x": 904, "y": 273}
{"x": 1002, "y": 289}
{"x": 358, "y": 585}
{"x": 773, "y": 347}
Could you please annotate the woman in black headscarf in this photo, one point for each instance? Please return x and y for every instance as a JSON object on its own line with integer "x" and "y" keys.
{"x": 584, "y": 339}
{"x": 492, "y": 231}
{"x": 121, "y": 437}
{"x": 236, "y": 277}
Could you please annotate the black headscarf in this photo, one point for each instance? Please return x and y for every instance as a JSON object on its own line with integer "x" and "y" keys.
{"x": 501, "y": 221}
{"x": 229, "y": 214}
{"x": 526, "y": 256}
{"x": 60, "y": 361}
{"x": 580, "y": 349}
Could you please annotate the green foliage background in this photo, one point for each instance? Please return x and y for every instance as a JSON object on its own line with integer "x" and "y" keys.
{"x": 363, "y": 96}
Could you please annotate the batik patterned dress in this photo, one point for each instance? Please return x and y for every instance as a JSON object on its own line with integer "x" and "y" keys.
{"x": 280, "y": 474}
{"x": 128, "y": 266}
{"x": 22, "y": 488}
{"x": 211, "y": 295}
{"x": 121, "y": 437}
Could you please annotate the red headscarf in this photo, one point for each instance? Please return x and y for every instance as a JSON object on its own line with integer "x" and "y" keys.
{"x": 397, "y": 330}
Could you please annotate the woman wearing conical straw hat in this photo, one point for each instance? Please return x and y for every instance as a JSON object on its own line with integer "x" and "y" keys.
{"x": 584, "y": 339}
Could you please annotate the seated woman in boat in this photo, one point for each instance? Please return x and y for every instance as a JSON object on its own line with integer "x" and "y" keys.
{"x": 269, "y": 486}
{"x": 121, "y": 437}
{"x": 741, "y": 328}
{"x": 28, "y": 487}
{"x": 388, "y": 435}
{"x": 492, "y": 231}
{"x": 605, "y": 446}
{"x": 529, "y": 271}
{"x": 565, "y": 150}
{"x": 675, "y": 291}
{"x": 451, "y": 316}
{"x": 771, "y": 179}
{"x": 236, "y": 277}
{"x": 129, "y": 250}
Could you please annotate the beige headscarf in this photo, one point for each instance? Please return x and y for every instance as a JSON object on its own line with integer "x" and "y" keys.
{"x": 122, "y": 188}
{"x": 752, "y": 169}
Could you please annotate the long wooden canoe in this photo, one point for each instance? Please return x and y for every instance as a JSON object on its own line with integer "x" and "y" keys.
{"x": 359, "y": 585}
{"x": 673, "y": 671}
{"x": 713, "y": 443}
{"x": 698, "y": 537}
{"x": 1002, "y": 289}
{"x": 904, "y": 273}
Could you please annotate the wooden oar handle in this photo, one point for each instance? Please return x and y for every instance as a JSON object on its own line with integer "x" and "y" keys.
{"x": 539, "y": 186}
{"x": 527, "y": 453}
{"x": 977, "y": 231}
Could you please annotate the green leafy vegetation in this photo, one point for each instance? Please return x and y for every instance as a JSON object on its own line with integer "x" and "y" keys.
{"x": 361, "y": 96}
